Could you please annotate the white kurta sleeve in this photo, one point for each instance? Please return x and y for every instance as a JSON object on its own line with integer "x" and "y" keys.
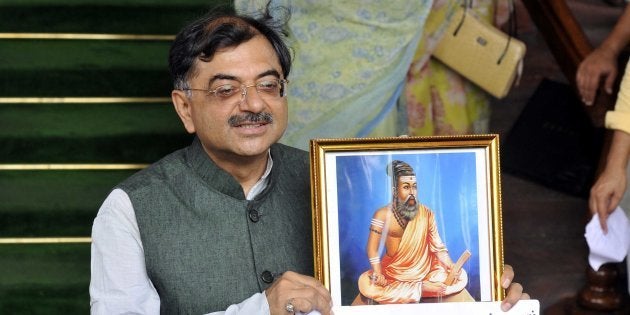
{"x": 119, "y": 282}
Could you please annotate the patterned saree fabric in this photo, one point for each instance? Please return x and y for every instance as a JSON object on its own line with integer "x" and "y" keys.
{"x": 351, "y": 59}
{"x": 355, "y": 63}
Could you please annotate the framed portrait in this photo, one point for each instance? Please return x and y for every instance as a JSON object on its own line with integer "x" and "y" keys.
{"x": 407, "y": 220}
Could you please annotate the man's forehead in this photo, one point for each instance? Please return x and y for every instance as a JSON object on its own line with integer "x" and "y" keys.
{"x": 249, "y": 60}
{"x": 407, "y": 179}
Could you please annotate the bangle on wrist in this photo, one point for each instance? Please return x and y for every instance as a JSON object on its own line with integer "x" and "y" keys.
{"x": 375, "y": 260}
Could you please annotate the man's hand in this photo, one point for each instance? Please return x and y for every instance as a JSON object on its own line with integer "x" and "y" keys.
{"x": 600, "y": 64}
{"x": 514, "y": 290}
{"x": 304, "y": 293}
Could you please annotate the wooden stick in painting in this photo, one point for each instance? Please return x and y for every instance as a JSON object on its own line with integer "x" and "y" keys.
{"x": 452, "y": 275}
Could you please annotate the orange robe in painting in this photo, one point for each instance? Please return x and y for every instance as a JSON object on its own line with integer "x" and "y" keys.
{"x": 414, "y": 262}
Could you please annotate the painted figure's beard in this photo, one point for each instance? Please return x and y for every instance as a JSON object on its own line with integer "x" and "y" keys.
{"x": 407, "y": 208}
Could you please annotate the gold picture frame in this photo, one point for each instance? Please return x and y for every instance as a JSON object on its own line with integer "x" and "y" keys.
{"x": 458, "y": 185}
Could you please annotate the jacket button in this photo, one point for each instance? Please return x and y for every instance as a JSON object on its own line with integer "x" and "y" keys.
{"x": 254, "y": 216}
{"x": 266, "y": 276}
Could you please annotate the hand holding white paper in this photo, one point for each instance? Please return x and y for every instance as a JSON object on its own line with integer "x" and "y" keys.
{"x": 611, "y": 247}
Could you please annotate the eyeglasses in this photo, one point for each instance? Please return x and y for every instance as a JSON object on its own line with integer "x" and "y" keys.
{"x": 268, "y": 90}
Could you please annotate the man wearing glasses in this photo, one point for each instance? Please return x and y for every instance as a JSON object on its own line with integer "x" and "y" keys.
{"x": 223, "y": 225}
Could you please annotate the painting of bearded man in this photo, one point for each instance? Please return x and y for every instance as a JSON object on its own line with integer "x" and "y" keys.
{"x": 409, "y": 261}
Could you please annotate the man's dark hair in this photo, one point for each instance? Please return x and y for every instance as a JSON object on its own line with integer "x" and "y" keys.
{"x": 202, "y": 38}
{"x": 400, "y": 168}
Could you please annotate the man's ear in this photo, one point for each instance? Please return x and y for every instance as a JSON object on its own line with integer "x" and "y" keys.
{"x": 183, "y": 107}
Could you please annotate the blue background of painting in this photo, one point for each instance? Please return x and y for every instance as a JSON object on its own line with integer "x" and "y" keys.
{"x": 446, "y": 184}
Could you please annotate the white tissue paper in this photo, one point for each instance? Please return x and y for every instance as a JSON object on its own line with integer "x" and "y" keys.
{"x": 611, "y": 247}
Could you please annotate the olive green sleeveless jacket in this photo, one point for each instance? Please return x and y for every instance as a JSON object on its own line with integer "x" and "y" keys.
{"x": 205, "y": 245}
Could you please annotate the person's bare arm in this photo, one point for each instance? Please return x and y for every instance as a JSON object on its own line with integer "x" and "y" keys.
{"x": 601, "y": 63}
{"x": 374, "y": 239}
{"x": 611, "y": 183}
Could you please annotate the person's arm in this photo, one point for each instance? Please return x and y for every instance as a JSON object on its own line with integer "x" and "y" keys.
{"x": 601, "y": 63}
{"x": 119, "y": 283}
{"x": 374, "y": 239}
{"x": 438, "y": 248}
{"x": 434, "y": 289}
{"x": 437, "y": 245}
{"x": 611, "y": 183}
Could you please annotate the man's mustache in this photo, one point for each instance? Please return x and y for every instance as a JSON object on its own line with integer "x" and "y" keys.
{"x": 263, "y": 118}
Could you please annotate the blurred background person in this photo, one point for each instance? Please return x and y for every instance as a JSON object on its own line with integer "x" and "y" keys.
{"x": 599, "y": 69}
{"x": 365, "y": 69}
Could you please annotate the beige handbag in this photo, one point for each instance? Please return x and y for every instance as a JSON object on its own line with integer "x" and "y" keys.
{"x": 481, "y": 53}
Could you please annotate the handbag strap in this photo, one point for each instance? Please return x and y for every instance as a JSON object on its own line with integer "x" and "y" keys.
{"x": 512, "y": 27}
